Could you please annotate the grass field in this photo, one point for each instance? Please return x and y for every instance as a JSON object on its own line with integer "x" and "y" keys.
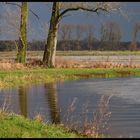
{"x": 96, "y": 53}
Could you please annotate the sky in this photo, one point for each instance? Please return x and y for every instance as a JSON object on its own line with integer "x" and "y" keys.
{"x": 43, "y": 10}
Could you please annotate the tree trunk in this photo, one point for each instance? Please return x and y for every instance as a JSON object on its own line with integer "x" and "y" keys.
{"x": 22, "y": 45}
{"x": 50, "y": 46}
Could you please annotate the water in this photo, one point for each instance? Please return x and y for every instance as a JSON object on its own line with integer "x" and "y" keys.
{"x": 125, "y": 59}
{"x": 53, "y": 100}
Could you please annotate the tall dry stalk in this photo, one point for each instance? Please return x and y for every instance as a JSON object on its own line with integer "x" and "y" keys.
{"x": 68, "y": 116}
{"x": 5, "y": 105}
{"x": 100, "y": 118}
{"x": 96, "y": 126}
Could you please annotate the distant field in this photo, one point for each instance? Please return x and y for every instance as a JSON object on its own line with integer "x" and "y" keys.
{"x": 96, "y": 53}
{"x": 39, "y": 54}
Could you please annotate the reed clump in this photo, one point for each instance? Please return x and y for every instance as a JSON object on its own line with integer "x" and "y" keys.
{"x": 93, "y": 128}
{"x": 72, "y": 63}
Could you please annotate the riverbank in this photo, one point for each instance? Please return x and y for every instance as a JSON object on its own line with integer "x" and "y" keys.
{"x": 13, "y": 78}
{"x": 16, "y": 126}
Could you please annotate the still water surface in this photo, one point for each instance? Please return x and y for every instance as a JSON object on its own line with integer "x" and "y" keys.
{"x": 53, "y": 100}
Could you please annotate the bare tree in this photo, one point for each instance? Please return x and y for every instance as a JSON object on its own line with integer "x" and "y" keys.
{"x": 110, "y": 35}
{"x": 133, "y": 45}
{"x": 15, "y": 22}
{"x": 22, "y": 45}
{"x": 18, "y": 27}
{"x": 59, "y": 10}
{"x": 50, "y": 46}
{"x": 80, "y": 29}
{"x": 70, "y": 31}
{"x": 65, "y": 35}
{"x": 90, "y": 36}
{"x": 0, "y": 22}
{"x": 71, "y": 36}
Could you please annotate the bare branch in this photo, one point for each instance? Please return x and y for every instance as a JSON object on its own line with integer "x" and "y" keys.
{"x": 34, "y": 14}
{"x": 84, "y": 9}
{"x": 65, "y": 16}
{"x": 13, "y": 4}
{"x": 20, "y": 7}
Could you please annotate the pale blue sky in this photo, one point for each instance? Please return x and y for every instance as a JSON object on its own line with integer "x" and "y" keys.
{"x": 43, "y": 10}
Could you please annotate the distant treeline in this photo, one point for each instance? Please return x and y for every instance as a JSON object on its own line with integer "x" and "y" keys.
{"x": 70, "y": 45}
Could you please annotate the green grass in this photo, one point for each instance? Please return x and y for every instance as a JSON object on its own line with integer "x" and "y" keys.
{"x": 16, "y": 126}
{"x": 40, "y": 75}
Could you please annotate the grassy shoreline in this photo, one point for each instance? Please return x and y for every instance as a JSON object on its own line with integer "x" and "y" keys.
{"x": 17, "y": 126}
{"x": 14, "y": 126}
{"x": 12, "y": 78}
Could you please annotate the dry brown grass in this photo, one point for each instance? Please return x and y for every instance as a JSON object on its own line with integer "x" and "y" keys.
{"x": 5, "y": 106}
{"x": 39, "y": 118}
{"x": 10, "y": 65}
{"x": 65, "y": 63}
{"x": 99, "y": 124}
{"x": 34, "y": 63}
{"x": 94, "y": 127}
{"x": 72, "y": 63}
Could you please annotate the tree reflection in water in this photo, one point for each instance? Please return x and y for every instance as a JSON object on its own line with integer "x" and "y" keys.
{"x": 23, "y": 101}
{"x": 51, "y": 93}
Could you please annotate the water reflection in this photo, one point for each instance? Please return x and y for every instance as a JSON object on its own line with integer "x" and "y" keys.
{"x": 48, "y": 99}
{"x": 22, "y": 91}
{"x": 51, "y": 94}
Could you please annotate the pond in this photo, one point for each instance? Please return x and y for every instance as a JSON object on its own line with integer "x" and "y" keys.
{"x": 111, "y": 103}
